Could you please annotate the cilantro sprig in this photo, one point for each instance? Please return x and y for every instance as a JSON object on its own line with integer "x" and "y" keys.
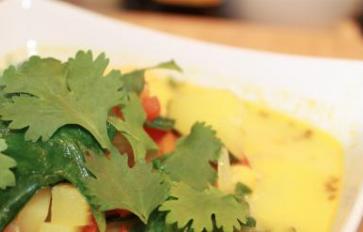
{"x": 137, "y": 189}
{"x": 48, "y": 94}
{"x": 216, "y": 210}
{"x": 55, "y": 119}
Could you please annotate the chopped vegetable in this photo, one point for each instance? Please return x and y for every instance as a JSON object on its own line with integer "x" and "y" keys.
{"x": 167, "y": 143}
{"x": 116, "y": 111}
{"x": 152, "y": 107}
{"x": 158, "y": 85}
{"x": 156, "y": 134}
{"x": 92, "y": 227}
{"x": 43, "y": 164}
{"x": 65, "y": 197}
{"x": 124, "y": 228}
{"x": 220, "y": 109}
{"x": 33, "y": 214}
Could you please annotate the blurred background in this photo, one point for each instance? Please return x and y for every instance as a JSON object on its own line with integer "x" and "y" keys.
{"x": 329, "y": 28}
{"x": 285, "y": 12}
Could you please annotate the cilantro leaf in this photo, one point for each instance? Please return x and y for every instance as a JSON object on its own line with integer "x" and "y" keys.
{"x": 205, "y": 209}
{"x": 117, "y": 186}
{"x": 48, "y": 94}
{"x": 135, "y": 81}
{"x": 132, "y": 127}
{"x": 7, "y": 177}
{"x": 190, "y": 160}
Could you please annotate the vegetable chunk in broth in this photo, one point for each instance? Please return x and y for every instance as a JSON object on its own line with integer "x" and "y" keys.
{"x": 299, "y": 171}
{"x": 297, "y": 168}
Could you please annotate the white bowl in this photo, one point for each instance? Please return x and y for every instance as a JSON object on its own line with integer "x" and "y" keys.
{"x": 287, "y": 83}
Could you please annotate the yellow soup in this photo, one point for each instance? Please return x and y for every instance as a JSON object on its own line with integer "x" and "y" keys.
{"x": 297, "y": 168}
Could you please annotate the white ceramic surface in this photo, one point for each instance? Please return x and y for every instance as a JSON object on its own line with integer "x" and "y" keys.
{"x": 325, "y": 92}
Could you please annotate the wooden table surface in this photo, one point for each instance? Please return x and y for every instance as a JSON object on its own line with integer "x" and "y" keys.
{"x": 340, "y": 41}
{"x": 343, "y": 40}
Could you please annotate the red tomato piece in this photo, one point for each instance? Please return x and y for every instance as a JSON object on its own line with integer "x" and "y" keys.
{"x": 119, "y": 212}
{"x": 123, "y": 228}
{"x": 152, "y": 107}
{"x": 167, "y": 143}
{"x": 155, "y": 134}
{"x": 116, "y": 111}
{"x": 244, "y": 161}
{"x": 92, "y": 227}
{"x": 145, "y": 92}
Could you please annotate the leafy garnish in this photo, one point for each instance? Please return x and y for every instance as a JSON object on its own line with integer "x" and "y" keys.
{"x": 48, "y": 94}
{"x": 190, "y": 162}
{"x": 162, "y": 123}
{"x": 7, "y": 177}
{"x": 132, "y": 127}
{"x": 44, "y": 164}
{"x": 134, "y": 81}
{"x": 117, "y": 186}
{"x": 64, "y": 109}
{"x": 205, "y": 209}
